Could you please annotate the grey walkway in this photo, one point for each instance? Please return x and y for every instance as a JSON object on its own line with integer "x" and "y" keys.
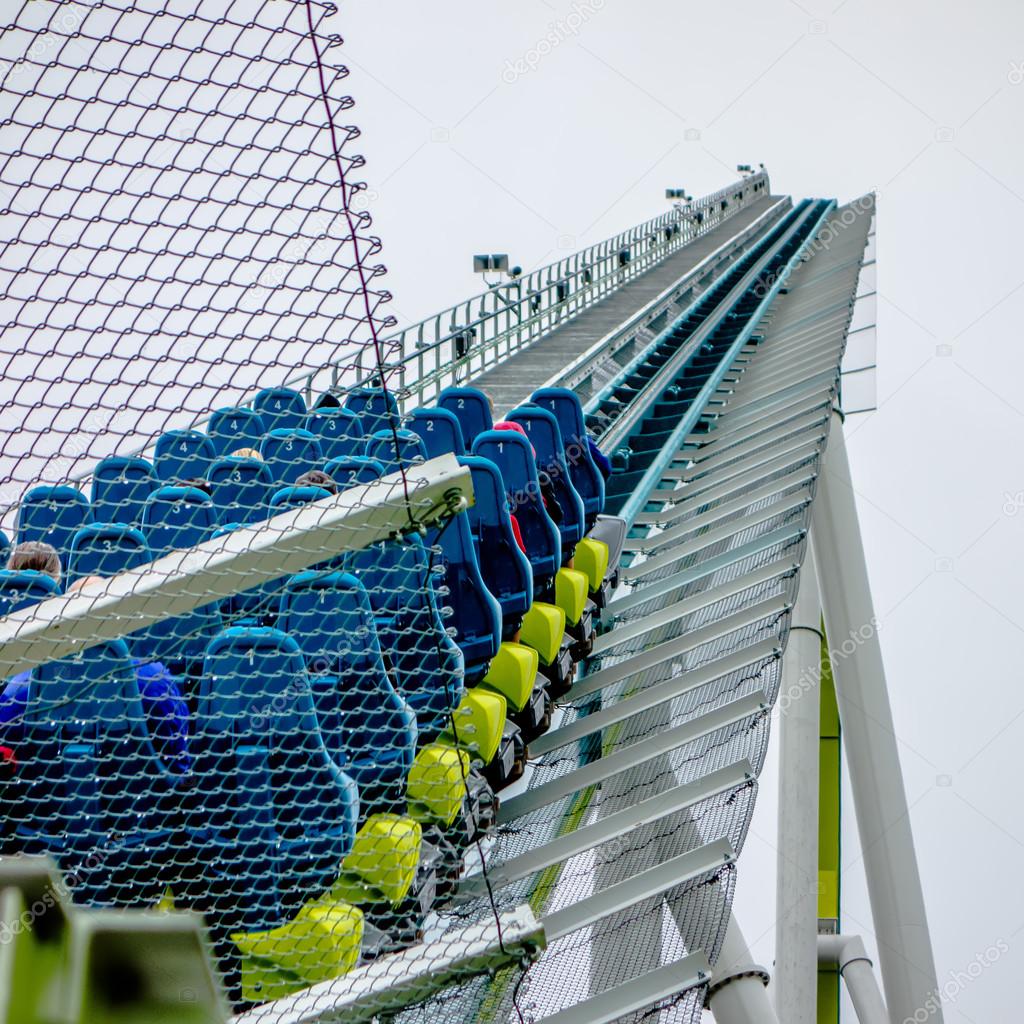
{"x": 515, "y": 378}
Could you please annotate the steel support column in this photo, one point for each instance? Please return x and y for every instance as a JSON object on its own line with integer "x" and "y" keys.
{"x": 738, "y": 993}
{"x": 796, "y": 926}
{"x": 886, "y": 840}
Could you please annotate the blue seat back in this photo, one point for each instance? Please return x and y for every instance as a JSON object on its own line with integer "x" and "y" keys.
{"x": 293, "y": 497}
{"x": 338, "y": 430}
{"x": 240, "y": 489}
{"x": 120, "y": 487}
{"x": 53, "y": 515}
{"x": 20, "y": 588}
{"x": 440, "y": 430}
{"x": 280, "y": 408}
{"x": 542, "y": 429}
{"x": 505, "y": 568}
{"x": 427, "y": 662}
{"x": 512, "y": 454}
{"x": 353, "y": 470}
{"x": 5, "y": 548}
{"x": 177, "y": 517}
{"x": 279, "y": 813}
{"x": 235, "y": 427}
{"x": 476, "y": 614}
{"x": 586, "y": 477}
{"x": 183, "y": 455}
{"x": 376, "y": 408}
{"x": 290, "y": 453}
{"x": 471, "y": 408}
{"x": 94, "y": 780}
{"x": 410, "y": 449}
{"x": 368, "y": 728}
{"x": 106, "y": 549}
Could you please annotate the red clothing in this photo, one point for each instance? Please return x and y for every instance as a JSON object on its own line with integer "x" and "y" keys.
{"x": 519, "y": 536}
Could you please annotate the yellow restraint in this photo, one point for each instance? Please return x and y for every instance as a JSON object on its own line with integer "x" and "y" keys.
{"x": 543, "y": 628}
{"x": 591, "y": 559}
{"x": 479, "y": 723}
{"x": 571, "y": 593}
{"x": 512, "y": 673}
{"x": 322, "y": 942}
{"x": 436, "y": 785}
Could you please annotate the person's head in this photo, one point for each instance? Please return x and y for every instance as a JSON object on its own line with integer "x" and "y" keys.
{"x": 246, "y": 453}
{"x": 317, "y": 478}
{"x": 518, "y": 428}
{"x": 34, "y": 554}
{"x": 85, "y": 583}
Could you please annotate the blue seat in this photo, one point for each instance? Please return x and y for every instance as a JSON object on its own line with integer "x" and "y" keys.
{"x": 273, "y": 814}
{"x": 120, "y": 487}
{"x": 440, "y": 430}
{"x": 5, "y": 548}
{"x": 53, "y": 515}
{"x": 351, "y": 471}
{"x": 376, "y": 408}
{"x": 427, "y": 662}
{"x": 549, "y": 453}
{"x": 339, "y": 432}
{"x": 586, "y": 477}
{"x": 505, "y": 568}
{"x": 96, "y": 793}
{"x": 369, "y": 730}
{"x": 290, "y": 453}
{"x": 294, "y": 497}
{"x": 511, "y": 453}
{"x": 240, "y": 489}
{"x": 235, "y": 427}
{"x": 176, "y": 518}
{"x": 280, "y": 408}
{"x": 183, "y": 455}
{"x": 410, "y": 449}
{"x": 471, "y": 408}
{"x": 106, "y": 549}
{"x": 20, "y": 588}
{"x": 476, "y": 614}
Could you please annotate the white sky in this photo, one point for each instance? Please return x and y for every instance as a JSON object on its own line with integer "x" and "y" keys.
{"x": 922, "y": 101}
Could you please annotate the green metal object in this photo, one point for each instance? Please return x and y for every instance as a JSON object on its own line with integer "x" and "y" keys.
{"x": 61, "y": 964}
{"x": 829, "y": 835}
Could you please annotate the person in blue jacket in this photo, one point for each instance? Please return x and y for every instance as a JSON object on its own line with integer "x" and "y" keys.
{"x": 162, "y": 701}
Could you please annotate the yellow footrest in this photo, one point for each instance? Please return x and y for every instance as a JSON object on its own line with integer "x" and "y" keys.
{"x": 479, "y": 723}
{"x": 512, "y": 673}
{"x": 382, "y": 862}
{"x": 322, "y": 942}
{"x": 543, "y": 628}
{"x": 571, "y": 593}
{"x": 436, "y": 785}
{"x": 591, "y": 559}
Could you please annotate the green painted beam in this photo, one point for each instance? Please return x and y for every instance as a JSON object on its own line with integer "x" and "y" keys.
{"x": 829, "y": 833}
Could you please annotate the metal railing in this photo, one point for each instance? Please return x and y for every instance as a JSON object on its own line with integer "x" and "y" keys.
{"x": 472, "y": 336}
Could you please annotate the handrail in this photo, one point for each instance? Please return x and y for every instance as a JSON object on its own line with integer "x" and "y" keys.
{"x": 475, "y": 334}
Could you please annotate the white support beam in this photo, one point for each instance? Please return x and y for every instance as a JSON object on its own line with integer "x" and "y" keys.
{"x": 856, "y": 969}
{"x": 738, "y": 994}
{"x": 869, "y": 741}
{"x": 244, "y": 558}
{"x": 796, "y": 919}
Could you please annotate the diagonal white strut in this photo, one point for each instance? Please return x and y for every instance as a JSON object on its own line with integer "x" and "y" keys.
{"x": 869, "y": 741}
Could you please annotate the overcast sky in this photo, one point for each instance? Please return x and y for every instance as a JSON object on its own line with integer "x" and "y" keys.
{"x": 479, "y": 137}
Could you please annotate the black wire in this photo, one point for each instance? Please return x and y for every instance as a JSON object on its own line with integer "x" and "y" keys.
{"x": 478, "y": 842}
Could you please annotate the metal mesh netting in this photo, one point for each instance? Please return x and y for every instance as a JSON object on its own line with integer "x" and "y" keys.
{"x": 259, "y": 709}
